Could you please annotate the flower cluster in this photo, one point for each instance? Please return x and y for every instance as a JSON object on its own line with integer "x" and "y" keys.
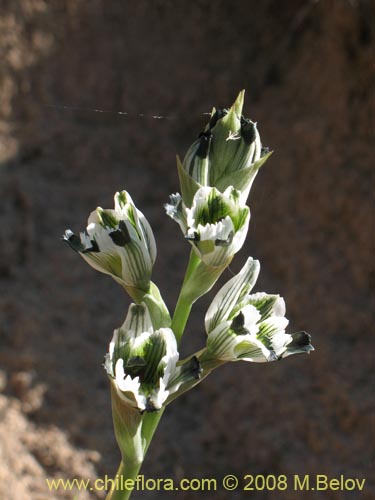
{"x": 216, "y": 176}
{"x": 143, "y": 361}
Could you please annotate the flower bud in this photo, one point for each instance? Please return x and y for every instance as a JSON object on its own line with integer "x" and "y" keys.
{"x": 141, "y": 361}
{"x": 118, "y": 242}
{"x": 227, "y": 153}
{"x": 250, "y": 327}
{"x": 215, "y": 225}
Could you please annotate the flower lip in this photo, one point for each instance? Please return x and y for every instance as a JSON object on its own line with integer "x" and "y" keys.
{"x": 73, "y": 241}
{"x": 120, "y": 236}
{"x": 76, "y": 244}
{"x": 226, "y": 242}
{"x": 300, "y": 339}
{"x": 248, "y": 130}
{"x": 204, "y": 144}
{"x": 219, "y": 113}
{"x": 238, "y": 324}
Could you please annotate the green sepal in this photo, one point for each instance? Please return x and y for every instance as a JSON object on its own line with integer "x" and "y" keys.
{"x": 127, "y": 422}
{"x": 159, "y": 313}
{"x": 158, "y": 310}
{"x": 242, "y": 179}
{"x": 188, "y": 185}
{"x": 134, "y": 431}
{"x": 206, "y": 366}
{"x": 201, "y": 280}
{"x": 222, "y": 149}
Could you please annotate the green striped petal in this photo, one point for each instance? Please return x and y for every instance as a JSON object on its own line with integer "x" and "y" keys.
{"x": 118, "y": 242}
{"x": 231, "y": 293}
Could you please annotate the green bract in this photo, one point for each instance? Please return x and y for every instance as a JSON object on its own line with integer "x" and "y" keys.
{"x": 215, "y": 225}
{"x": 227, "y": 153}
{"x": 249, "y": 327}
{"x": 118, "y": 242}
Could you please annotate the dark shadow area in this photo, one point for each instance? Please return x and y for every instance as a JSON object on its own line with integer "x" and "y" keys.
{"x": 306, "y": 68}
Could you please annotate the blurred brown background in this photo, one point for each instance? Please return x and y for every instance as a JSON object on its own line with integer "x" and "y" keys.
{"x": 308, "y": 73}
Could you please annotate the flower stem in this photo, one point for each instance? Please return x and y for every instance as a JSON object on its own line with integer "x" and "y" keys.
{"x": 149, "y": 425}
{"x": 199, "y": 279}
{"x": 184, "y": 305}
{"x": 126, "y": 475}
{"x": 124, "y": 481}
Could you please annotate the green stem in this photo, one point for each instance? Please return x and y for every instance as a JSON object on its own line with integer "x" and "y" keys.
{"x": 124, "y": 481}
{"x": 184, "y": 305}
{"x": 149, "y": 425}
{"x": 134, "y": 433}
{"x": 199, "y": 279}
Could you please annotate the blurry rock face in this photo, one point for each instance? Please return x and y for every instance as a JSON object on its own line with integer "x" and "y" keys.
{"x": 306, "y": 68}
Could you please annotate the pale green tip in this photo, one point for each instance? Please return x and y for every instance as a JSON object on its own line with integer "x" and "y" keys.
{"x": 232, "y": 121}
{"x": 238, "y": 104}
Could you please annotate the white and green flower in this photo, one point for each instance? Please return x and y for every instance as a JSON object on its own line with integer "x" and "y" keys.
{"x": 118, "y": 242}
{"x": 228, "y": 153}
{"x": 248, "y": 326}
{"x": 141, "y": 361}
{"x": 215, "y": 225}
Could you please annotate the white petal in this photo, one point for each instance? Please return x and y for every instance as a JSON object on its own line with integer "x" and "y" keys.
{"x": 148, "y": 236}
{"x": 126, "y": 384}
{"x": 220, "y": 342}
{"x": 169, "y": 360}
{"x": 273, "y": 325}
{"x": 93, "y": 218}
{"x": 100, "y": 235}
{"x": 251, "y": 349}
{"x": 251, "y": 318}
{"x": 140, "y": 340}
{"x": 121, "y": 206}
{"x": 112, "y": 344}
{"x": 269, "y": 305}
{"x": 158, "y": 396}
{"x": 280, "y": 341}
{"x": 136, "y": 264}
{"x": 272, "y": 333}
{"x": 240, "y": 235}
{"x": 200, "y": 197}
{"x": 105, "y": 262}
{"x": 218, "y": 231}
{"x": 177, "y": 211}
{"x": 279, "y": 308}
{"x": 137, "y": 320}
